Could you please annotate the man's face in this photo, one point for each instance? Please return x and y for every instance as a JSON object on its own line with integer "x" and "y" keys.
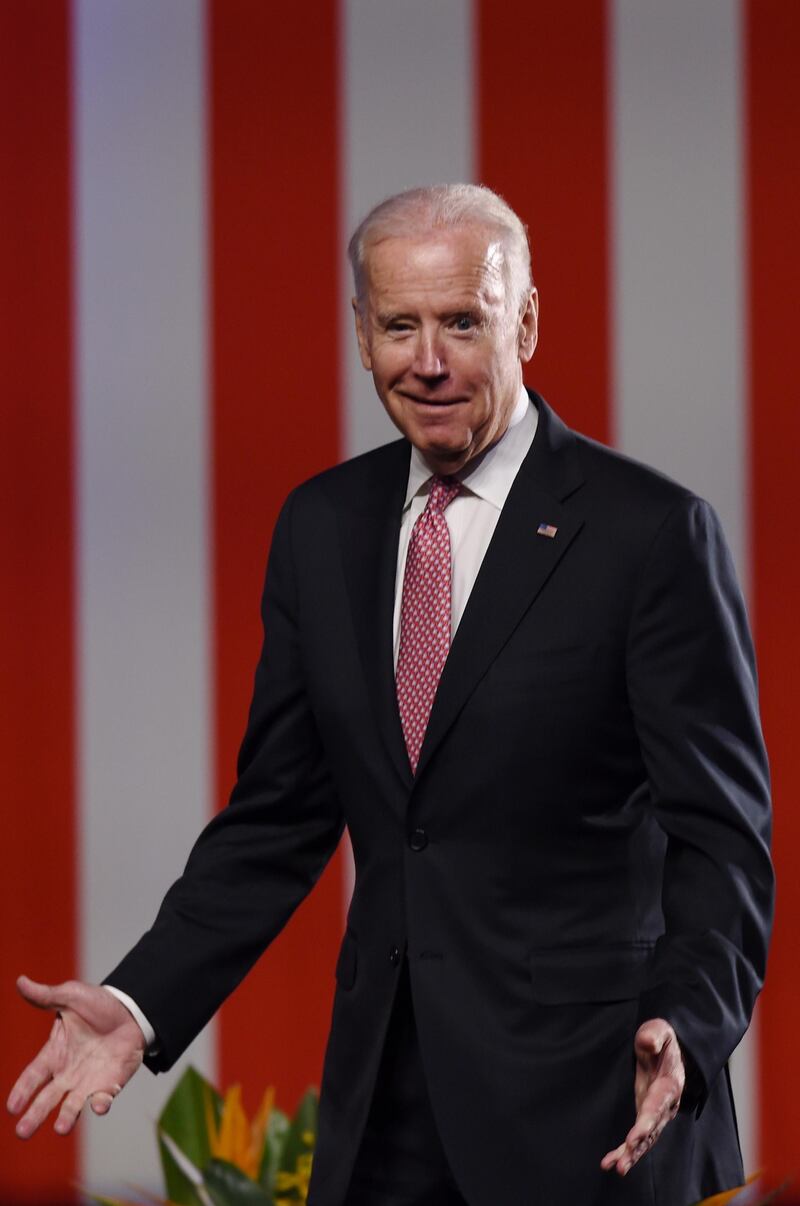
{"x": 444, "y": 346}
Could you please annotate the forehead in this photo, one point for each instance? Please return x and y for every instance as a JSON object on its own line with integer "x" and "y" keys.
{"x": 455, "y": 265}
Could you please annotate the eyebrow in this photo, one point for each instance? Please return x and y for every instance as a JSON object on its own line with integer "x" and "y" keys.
{"x": 387, "y": 316}
{"x": 473, "y": 309}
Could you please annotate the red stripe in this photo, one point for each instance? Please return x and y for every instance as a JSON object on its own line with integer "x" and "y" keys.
{"x": 542, "y": 143}
{"x": 275, "y": 252}
{"x": 773, "y": 116}
{"x": 36, "y": 574}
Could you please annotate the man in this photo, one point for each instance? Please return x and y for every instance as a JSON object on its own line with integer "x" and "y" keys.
{"x": 517, "y": 666}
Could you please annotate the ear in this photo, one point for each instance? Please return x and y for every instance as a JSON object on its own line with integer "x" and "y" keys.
{"x": 529, "y": 327}
{"x": 361, "y": 336}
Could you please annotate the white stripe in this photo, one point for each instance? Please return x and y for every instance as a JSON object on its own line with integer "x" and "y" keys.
{"x": 407, "y": 121}
{"x": 677, "y": 254}
{"x": 407, "y": 109}
{"x": 678, "y": 246}
{"x": 143, "y": 628}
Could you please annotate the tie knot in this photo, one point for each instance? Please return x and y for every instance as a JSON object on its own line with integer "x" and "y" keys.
{"x": 443, "y": 491}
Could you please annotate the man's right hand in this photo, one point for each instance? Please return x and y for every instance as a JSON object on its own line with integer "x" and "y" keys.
{"x": 94, "y": 1048}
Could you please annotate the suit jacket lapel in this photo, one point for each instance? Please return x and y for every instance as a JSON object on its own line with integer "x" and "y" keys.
{"x": 517, "y": 564}
{"x": 369, "y": 535}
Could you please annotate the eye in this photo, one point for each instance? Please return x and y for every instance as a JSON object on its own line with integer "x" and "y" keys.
{"x": 464, "y": 322}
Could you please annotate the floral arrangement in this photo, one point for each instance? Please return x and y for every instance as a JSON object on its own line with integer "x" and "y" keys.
{"x": 212, "y": 1155}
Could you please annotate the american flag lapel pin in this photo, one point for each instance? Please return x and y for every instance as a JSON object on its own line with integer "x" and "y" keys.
{"x": 546, "y": 529}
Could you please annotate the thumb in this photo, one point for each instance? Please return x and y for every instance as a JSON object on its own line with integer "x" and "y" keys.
{"x": 652, "y": 1037}
{"x": 43, "y": 996}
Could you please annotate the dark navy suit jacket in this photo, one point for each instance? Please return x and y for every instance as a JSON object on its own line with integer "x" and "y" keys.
{"x": 584, "y": 846}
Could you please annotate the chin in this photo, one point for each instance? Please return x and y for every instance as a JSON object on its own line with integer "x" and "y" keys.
{"x": 441, "y": 439}
{"x": 444, "y": 459}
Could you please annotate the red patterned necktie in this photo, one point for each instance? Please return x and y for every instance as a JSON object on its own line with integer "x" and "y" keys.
{"x": 424, "y": 616}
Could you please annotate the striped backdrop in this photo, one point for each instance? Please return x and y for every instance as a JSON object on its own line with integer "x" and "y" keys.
{"x": 177, "y": 182}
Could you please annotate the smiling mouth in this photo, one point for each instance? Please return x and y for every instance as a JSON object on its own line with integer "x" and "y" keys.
{"x": 431, "y": 401}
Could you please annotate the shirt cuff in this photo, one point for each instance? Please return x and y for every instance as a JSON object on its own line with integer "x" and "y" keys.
{"x": 133, "y": 1009}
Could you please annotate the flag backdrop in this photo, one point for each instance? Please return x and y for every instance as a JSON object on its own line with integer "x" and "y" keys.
{"x": 177, "y": 182}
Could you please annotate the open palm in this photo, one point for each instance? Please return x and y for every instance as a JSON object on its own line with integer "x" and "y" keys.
{"x": 94, "y": 1048}
{"x": 658, "y": 1085}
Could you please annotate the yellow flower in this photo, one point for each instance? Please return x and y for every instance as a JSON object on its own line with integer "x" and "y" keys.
{"x": 235, "y": 1140}
{"x": 285, "y": 1182}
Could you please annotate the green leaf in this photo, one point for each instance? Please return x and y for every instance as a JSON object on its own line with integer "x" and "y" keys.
{"x": 274, "y": 1141}
{"x": 227, "y": 1185}
{"x": 300, "y": 1138}
{"x": 179, "y": 1172}
{"x": 184, "y": 1120}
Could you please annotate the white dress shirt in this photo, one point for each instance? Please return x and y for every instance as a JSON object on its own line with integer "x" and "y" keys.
{"x": 132, "y": 1008}
{"x": 471, "y": 517}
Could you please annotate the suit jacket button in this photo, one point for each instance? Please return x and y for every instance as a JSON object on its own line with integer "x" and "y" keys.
{"x": 419, "y": 839}
{"x": 394, "y": 956}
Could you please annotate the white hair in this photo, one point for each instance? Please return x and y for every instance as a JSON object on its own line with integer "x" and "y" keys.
{"x": 422, "y": 211}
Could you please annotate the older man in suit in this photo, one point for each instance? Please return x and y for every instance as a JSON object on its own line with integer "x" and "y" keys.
{"x": 517, "y": 666}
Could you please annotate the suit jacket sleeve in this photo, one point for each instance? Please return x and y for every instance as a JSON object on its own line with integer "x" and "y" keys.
{"x": 256, "y": 861}
{"x": 692, "y": 687}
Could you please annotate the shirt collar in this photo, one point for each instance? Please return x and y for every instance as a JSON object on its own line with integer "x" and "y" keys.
{"x": 491, "y": 475}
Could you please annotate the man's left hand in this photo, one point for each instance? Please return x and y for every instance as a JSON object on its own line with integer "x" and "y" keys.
{"x": 660, "y": 1077}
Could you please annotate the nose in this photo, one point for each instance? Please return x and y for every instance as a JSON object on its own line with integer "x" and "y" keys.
{"x": 429, "y": 360}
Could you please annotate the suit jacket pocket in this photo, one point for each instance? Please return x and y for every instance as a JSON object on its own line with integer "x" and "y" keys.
{"x": 347, "y": 963}
{"x": 588, "y": 974}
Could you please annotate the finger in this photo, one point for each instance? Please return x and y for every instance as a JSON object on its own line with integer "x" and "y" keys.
{"x": 646, "y": 1129}
{"x": 37, "y": 1073}
{"x": 629, "y": 1153}
{"x": 100, "y": 1102}
{"x": 637, "y": 1141}
{"x": 642, "y": 1136}
{"x": 611, "y": 1158}
{"x": 42, "y": 1104}
{"x": 70, "y": 1111}
{"x": 624, "y": 1157}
